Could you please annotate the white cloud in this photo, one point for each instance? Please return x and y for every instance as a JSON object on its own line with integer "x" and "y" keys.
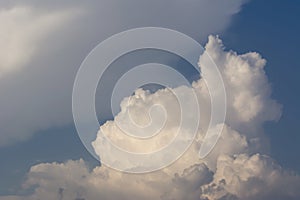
{"x": 242, "y": 74}
{"x": 246, "y": 84}
{"x": 41, "y": 49}
{"x": 22, "y": 30}
{"x": 251, "y": 177}
{"x": 233, "y": 170}
{"x": 104, "y": 183}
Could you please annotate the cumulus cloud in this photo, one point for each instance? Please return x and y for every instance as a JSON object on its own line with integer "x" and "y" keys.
{"x": 104, "y": 183}
{"x": 235, "y": 169}
{"x": 41, "y": 49}
{"x": 248, "y": 91}
{"x": 251, "y": 177}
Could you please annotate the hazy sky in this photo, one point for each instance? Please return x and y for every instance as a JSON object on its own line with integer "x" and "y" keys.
{"x": 43, "y": 45}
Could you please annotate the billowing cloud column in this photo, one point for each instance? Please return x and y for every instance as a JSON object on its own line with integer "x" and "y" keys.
{"x": 235, "y": 169}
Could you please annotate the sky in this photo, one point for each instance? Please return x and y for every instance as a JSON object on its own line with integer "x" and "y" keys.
{"x": 43, "y": 45}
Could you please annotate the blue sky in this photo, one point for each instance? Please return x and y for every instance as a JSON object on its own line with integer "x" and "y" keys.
{"x": 270, "y": 28}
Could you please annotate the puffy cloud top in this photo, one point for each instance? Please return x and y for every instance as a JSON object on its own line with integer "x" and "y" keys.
{"x": 42, "y": 44}
{"x": 235, "y": 169}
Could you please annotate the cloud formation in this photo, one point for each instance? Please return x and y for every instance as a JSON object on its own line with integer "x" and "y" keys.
{"x": 22, "y": 30}
{"x": 43, "y": 44}
{"x": 251, "y": 177}
{"x": 237, "y": 168}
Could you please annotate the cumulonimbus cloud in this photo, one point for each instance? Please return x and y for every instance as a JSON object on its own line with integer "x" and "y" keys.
{"x": 237, "y": 168}
{"x": 41, "y": 49}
